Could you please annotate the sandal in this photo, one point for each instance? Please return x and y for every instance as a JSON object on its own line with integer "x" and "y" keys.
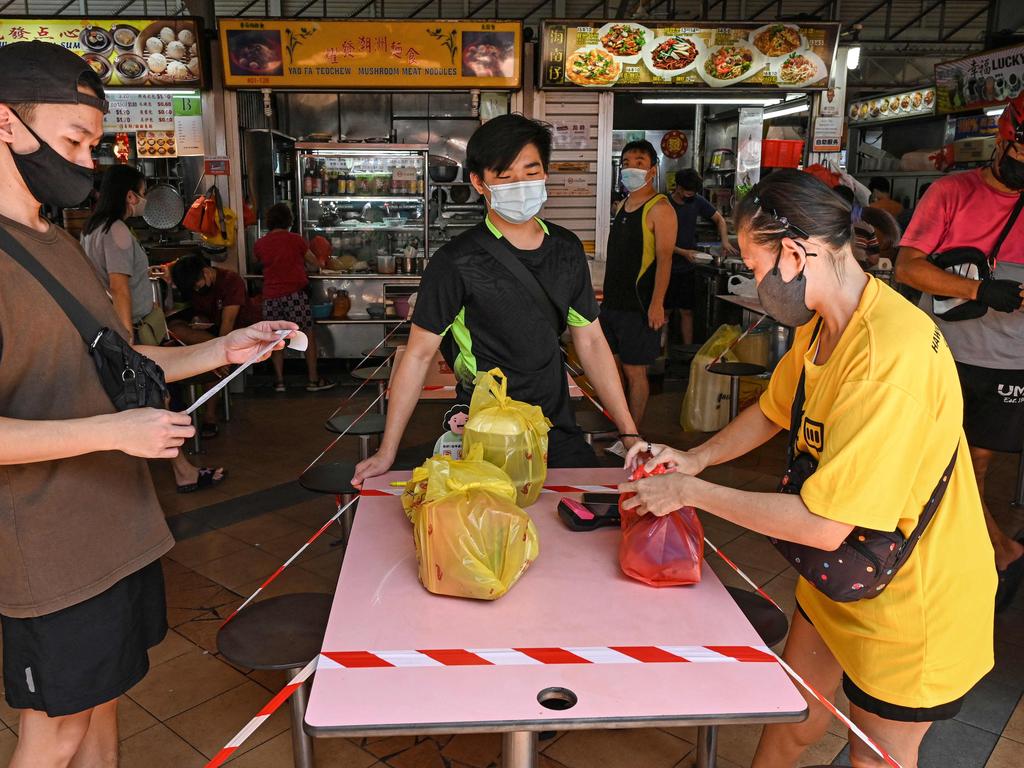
{"x": 280, "y": 387}
{"x": 320, "y": 385}
{"x": 205, "y": 479}
{"x": 209, "y": 431}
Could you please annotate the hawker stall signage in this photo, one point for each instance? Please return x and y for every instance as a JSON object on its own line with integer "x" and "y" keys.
{"x": 920, "y": 102}
{"x": 317, "y": 53}
{"x": 135, "y": 53}
{"x": 982, "y": 80}
{"x": 690, "y": 55}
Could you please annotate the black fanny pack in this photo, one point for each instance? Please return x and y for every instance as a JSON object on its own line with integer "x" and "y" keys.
{"x": 130, "y": 379}
{"x": 864, "y": 564}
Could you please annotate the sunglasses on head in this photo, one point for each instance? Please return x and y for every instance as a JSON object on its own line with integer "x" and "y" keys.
{"x": 790, "y": 228}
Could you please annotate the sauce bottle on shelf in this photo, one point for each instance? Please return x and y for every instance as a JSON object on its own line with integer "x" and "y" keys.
{"x": 307, "y": 178}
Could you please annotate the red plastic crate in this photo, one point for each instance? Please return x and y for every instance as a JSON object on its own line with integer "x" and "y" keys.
{"x": 782, "y": 153}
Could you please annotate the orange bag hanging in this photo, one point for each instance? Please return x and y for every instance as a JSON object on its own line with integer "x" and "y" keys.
{"x": 206, "y": 216}
{"x": 661, "y": 551}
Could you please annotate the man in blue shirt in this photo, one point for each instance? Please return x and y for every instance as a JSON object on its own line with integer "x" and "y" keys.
{"x": 690, "y": 206}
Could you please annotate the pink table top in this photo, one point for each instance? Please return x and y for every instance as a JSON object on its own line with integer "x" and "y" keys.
{"x": 573, "y": 596}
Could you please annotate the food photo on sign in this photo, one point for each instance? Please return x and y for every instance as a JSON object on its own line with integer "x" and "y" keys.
{"x": 622, "y": 54}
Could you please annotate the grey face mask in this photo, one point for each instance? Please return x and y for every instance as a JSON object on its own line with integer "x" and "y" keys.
{"x": 785, "y": 301}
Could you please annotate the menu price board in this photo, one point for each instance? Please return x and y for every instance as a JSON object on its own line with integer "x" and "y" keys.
{"x": 135, "y": 53}
{"x": 893, "y": 107}
{"x": 131, "y": 112}
{"x": 688, "y": 55}
{"x": 378, "y": 53}
{"x": 982, "y": 80}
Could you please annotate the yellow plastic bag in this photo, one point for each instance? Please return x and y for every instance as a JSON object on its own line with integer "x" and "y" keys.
{"x": 441, "y": 475}
{"x": 473, "y": 544}
{"x": 512, "y": 434}
{"x": 706, "y": 404}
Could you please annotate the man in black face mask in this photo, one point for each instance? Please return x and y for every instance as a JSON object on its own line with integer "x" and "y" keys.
{"x": 974, "y": 209}
{"x": 81, "y": 530}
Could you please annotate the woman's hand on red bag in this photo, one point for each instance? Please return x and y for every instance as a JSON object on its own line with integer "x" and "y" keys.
{"x": 656, "y": 495}
{"x": 657, "y": 454}
{"x": 240, "y": 345}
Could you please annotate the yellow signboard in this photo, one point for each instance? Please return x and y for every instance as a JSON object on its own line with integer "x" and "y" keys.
{"x": 313, "y": 53}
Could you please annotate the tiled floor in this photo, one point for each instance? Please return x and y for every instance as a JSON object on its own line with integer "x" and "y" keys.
{"x": 233, "y": 536}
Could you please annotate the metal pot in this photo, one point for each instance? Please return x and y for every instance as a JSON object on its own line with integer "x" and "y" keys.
{"x": 282, "y": 163}
{"x": 443, "y": 170}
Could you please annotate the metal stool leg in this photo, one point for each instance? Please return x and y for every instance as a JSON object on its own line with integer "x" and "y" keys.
{"x": 302, "y": 744}
{"x": 193, "y": 394}
{"x": 519, "y": 749}
{"x": 345, "y": 521}
{"x": 227, "y": 402}
{"x": 382, "y": 405}
{"x": 707, "y": 746}
{"x": 734, "y": 397}
{"x": 364, "y": 447}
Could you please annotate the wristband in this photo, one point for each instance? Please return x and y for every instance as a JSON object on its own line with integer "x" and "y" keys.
{"x": 638, "y": 437}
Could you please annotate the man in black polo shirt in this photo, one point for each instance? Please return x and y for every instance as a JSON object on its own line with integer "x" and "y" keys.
{"x": 482, "y": 316}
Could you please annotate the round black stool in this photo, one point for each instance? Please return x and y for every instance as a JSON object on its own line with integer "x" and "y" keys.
{"x": 381, "y": 376}
{"x": 767, "y": 620}
{"x": 281, "y": 633}
{"x": 369, "y": 426}
{"x": 335, "y": 479}
{"x": 734, "y": 371}
{"x": 595, "y": 426}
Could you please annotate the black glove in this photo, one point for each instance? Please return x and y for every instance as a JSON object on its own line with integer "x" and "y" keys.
{"x": 1000, "y": 295}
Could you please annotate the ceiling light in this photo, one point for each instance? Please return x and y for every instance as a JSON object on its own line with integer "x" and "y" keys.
{"x": 769, "y": 114}
{"x": 853, "y": 57}
{"x": 750, "y": 102}
{"x": 994, "y": 112}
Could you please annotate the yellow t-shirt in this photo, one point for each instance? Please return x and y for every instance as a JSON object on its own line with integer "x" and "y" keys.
{"x": 882, "y": 416}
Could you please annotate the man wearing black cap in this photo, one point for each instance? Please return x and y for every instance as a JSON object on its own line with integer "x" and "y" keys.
{"x": 81, "y": 531}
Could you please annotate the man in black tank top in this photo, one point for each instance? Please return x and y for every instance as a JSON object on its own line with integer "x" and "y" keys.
{"x": 640, "y": 245}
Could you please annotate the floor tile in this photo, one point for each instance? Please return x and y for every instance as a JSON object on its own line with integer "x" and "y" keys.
{"x": 1007, "y": 754}
{"x": 8, "y": 742}
{"x": 286, "y": 546}
{"x": 210, "y": 725}
{"x": 690, "y": 761}
{"x": 277, "y": 753}
{"x": 618, "y": 749}
{"x": 990, "y": 704}
{"x": 1015, "y": 727}
{"x": 259, "y": 530}
{"x": 159, "y": 747}
{"x": 243, "y": 567}
{"x": 478, "y": 750}
{"x": 131, "y": 719}
{"x": 387, "y": 746}
{"x": 204, "y": 548}
{"x": 171, "y": 647}
{"x": 425, "y": 754}
{"x": 184, "y": 682}
{"x": 753, "y": 549}
{"x": 341, "y": 753}
{"x": 294, "y": 579}
{"x": 952, "y": 744}
{"x": 202, "y": 631}
{"x": 327, "y": 565}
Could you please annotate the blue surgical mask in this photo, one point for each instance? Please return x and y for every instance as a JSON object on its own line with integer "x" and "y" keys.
{"x": 519, "y": 201}
{"x": 633, "y": 178}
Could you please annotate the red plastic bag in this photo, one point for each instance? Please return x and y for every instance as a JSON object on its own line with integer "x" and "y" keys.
{"x": 661, "y": 551}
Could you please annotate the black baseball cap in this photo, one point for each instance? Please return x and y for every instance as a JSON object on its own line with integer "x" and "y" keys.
{"x": 47, "y": 74}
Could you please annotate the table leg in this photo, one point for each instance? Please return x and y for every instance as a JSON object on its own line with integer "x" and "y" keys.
{"x": 302, "y": 744}
{"x": 519, "y": 749}
{"x": 707, "y": 746}
{"x": 382, "y": 404}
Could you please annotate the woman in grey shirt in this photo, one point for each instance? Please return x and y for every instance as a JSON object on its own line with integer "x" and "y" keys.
{"x": 123, "y": 267}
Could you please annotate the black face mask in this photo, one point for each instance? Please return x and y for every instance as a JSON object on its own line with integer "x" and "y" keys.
{"x": 1010, "y": 171}
{"x": 689, "y": 200}
{"x": 51, "y": 178}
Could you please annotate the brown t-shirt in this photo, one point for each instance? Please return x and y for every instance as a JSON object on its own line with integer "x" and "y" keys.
{"x": 71, "y": 528}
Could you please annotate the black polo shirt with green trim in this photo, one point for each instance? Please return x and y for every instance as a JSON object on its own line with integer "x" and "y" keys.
{"x": 489, "y": 320}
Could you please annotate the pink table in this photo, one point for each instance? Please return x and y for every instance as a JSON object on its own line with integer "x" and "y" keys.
{"x": 574, "y": 596}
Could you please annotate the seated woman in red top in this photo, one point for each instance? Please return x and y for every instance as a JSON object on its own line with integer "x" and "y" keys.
{"x": 285, "y": 257}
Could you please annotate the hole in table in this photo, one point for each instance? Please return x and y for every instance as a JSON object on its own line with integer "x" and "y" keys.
{"x": 557, "y": 698}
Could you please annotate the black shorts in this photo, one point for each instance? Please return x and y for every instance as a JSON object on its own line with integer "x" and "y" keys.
{"x": 630, "y": 336}
{"x": 681, "y": 292}
{"x": 570, "y": 449}
{"x": 894, "y": 712}
{"x": 88, "y": 654}
{"x": 993, "y": 407}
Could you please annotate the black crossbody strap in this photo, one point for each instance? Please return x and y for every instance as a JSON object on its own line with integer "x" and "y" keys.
{"x": 86, "y": 325}
{"x": 1006, "y": 230}
{"x": 797, "y": 412}
{"x": 540, "y": 297}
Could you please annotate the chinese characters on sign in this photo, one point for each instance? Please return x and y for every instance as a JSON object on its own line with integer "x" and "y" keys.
{"x": 131, "y": 112}
{"x": 137, "y": 53}
{"x": 687, "y": 54}
{"x": 371, "y": 54}
{"x": 982, "y": 80}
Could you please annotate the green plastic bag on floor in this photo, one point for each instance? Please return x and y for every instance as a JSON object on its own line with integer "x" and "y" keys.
{"x": 706, "y": 403}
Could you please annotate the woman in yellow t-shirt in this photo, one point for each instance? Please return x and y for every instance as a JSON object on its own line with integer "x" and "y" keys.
{"x": 882, "y": 416}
